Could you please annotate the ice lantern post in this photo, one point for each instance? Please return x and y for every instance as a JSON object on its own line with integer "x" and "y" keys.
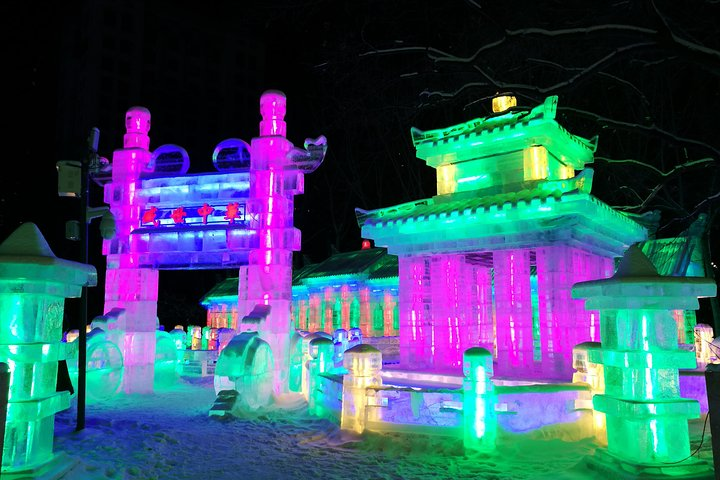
{"x": 647, "y": 420}
{"x": 33, "y": 287}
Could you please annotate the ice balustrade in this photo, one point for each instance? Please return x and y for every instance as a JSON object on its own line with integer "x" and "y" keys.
{"x": 363, "y": 364}
{"x": 479, "y": 417}
{"x": 344, "y": 340}
{"x": 305, "y": 359}
{"x": 362, "y": 397}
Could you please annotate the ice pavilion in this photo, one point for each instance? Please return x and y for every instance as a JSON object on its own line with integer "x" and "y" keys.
{"x": 513, "y": 196}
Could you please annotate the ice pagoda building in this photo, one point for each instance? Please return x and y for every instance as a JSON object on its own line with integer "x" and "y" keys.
{"x": 347, "y": 290}
{"x": 490, "y": 260}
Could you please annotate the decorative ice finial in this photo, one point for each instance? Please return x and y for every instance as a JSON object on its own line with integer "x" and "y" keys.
{"x": 635, "y": 264}
{"x": 272, "y": 109}
{"x": 137, "y": 126}
{"x": 137, "y": 120}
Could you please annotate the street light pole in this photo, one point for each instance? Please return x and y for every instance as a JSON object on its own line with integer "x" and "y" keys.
{"x": 89, "y": 163}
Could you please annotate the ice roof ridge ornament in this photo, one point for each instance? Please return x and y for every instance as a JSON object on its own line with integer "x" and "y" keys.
{"x": 513, "y": 150}
{"x": 486, "y": 129}
{"x": 545, "y": 111}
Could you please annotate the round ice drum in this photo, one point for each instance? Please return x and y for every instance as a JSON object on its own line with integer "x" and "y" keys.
{"x": 246, "y": 365}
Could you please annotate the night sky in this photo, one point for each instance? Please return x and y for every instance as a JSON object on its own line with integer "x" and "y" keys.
{"x": 643, "y": 76}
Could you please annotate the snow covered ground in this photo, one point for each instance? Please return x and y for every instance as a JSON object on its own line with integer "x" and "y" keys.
{"x": 169, "y": 435}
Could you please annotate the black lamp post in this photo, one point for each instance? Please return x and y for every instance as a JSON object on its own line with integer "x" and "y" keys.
{"x": 89, "y": 164}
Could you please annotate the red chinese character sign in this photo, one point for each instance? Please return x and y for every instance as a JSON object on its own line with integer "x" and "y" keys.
{"x": 233, "y": 212}
{"x": 206, "y": 214}
{"x": 168, "y": 219}
{"x": 178, "y": 215}
{"x": 150, "y": 216}
{"x": 204, "y": 211}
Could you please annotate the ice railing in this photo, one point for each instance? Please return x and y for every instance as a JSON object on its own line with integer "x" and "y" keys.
{"x": 360, "y": 396}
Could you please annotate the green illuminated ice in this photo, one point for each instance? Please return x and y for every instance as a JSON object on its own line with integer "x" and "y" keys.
{"x": 246, "y": 365}
{"x": 33, "y": 287}
{"x": 647, "y": 420}
{"x": 479, "y": 418}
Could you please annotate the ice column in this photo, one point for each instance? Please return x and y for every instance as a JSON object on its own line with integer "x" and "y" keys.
{"x": 564, "y": 322}
{"x": 557, "y": 324}
{"x": 346, "y": 299}
{"x": 389, "y": 312}
{"x": 33, "y": 287}
{"x": 267, "y": 278}
{"x": 416, "y": 343}
{"x": 646, "y": 418}
{"x": 514, "y": 312}
{"x": 365, "y": 311}
{"x": 126, "y": 285}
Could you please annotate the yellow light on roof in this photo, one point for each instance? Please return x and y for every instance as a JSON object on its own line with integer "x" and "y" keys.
{"x": 503, "y": 102}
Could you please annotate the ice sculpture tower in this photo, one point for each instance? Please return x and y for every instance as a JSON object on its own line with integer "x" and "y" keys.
{"x": 646, "y": 418}
{"x": 491, "y": 259}
{"x": 33, "y": 287}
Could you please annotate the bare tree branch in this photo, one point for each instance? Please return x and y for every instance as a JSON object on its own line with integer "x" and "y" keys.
{"x": 585, "y": 72}
{"x": 705, "y": 202}
{"x": 708, "y": 53}
{"x": 580, "y": 31}
{"x": 467, "y": 86}
{"x": 691, "y": 46}
{"x": 678, "y": 169}
{"x": 647, "y": 129}
{"x": 621, "y": 81}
